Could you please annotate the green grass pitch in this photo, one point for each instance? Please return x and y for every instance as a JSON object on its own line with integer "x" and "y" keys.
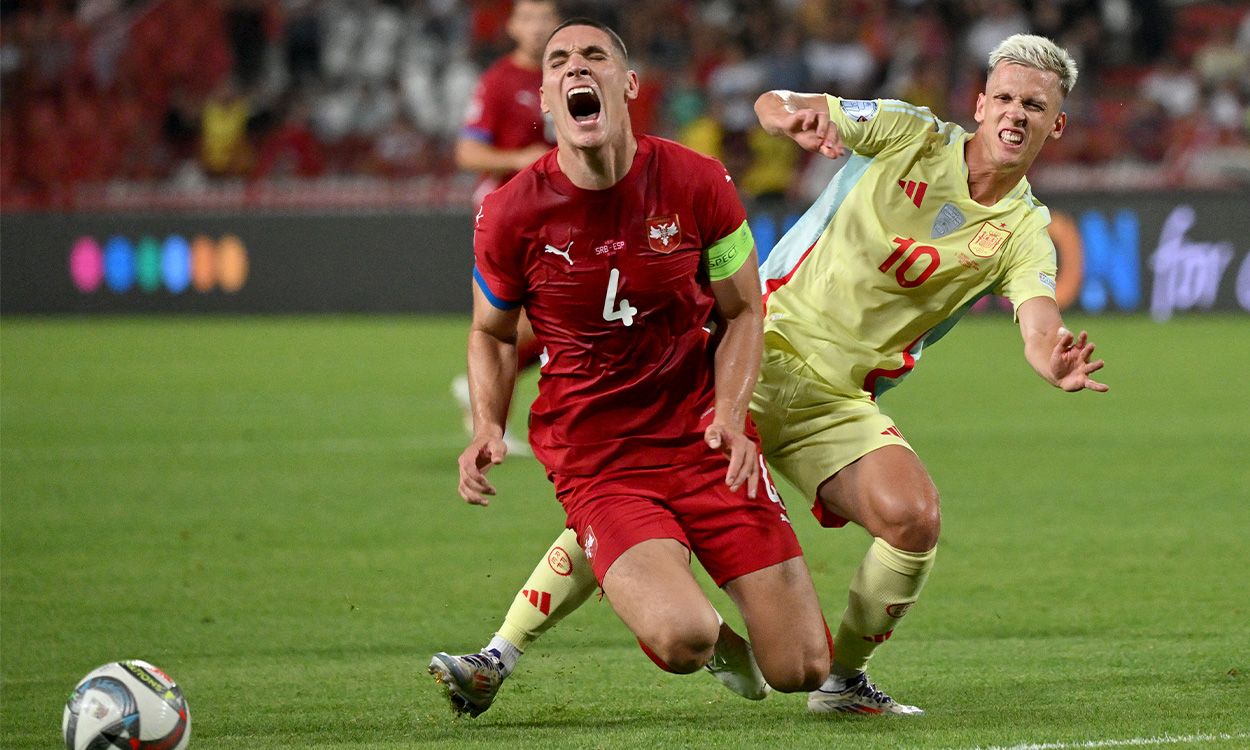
{"x": 266, "y": 508}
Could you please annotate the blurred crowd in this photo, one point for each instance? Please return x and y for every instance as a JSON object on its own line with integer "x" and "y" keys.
{"x": 188, "y": 94}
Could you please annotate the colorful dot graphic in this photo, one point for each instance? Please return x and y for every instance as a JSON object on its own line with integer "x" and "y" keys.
{"x": 119, "y": 264}
{"x": 176, "y": 264}
{"x": 86, "y": 265}
{"x": 149, "y": 264}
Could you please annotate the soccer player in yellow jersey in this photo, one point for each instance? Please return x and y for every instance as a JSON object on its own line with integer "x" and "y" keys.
{"x": 923, "y": 220}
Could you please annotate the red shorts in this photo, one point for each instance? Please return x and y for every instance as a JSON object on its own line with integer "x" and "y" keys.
{"x": 730, "y": 533}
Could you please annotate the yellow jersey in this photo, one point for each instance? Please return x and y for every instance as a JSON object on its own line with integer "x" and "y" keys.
{"x": 895, "y": 250}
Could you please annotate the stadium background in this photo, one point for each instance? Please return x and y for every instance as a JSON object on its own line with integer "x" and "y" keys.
{"x": 105, "y": 100}
{"x": 324, "y": 180}
{"x": 264, "y": 505}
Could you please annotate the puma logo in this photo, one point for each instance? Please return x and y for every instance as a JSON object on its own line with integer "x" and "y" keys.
{"x": 562, "y": 253}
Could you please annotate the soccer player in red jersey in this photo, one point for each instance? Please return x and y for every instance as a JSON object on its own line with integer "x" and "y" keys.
{"x": 844, "y": 324}
{"x": 504, "y": 132}
{"x": 622, "y": 249}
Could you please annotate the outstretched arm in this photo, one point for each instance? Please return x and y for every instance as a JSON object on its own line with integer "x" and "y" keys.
{"x": 740, "y": 302}
{"x": 492, "y": 375}
{"x": 1062, "y": 359}
{"x": 802, "y": 117}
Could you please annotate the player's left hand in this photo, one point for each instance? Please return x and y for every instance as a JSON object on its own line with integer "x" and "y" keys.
{"x": 744, "y": 460}
{"x": 1070, "y": 364}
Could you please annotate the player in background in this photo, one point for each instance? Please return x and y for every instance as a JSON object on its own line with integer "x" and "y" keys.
{"x": 922, "y": 221}
{"x": 622, "y": 249}
{"x": 504, "y": 132}
{"x": 504, "y": 129}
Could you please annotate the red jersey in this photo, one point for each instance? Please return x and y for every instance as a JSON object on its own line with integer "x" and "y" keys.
{"x": 614, "y": 285}
{"x": 505, "y": 112}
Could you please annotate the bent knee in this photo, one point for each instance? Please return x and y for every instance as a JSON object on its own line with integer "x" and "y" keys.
{"x": 684, "y": 651}
{"x": 801, "y": 668}
{"x": 912, "y": 525}
{"x": 803, "y": 674}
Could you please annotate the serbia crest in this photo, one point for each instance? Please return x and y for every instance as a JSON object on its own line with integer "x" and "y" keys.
{"x": 664, "y": 233}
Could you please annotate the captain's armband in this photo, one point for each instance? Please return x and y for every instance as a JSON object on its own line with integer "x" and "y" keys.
{"x": 725, "y": 256}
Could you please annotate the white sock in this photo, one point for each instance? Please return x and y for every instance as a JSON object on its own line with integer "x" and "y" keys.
{"x": 507, "y": 653}
{"x": 836, "y": 683}
{"x": 843, "y": 674}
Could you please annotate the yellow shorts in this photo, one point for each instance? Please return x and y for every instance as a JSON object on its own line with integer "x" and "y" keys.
{"x": 810, "y": 431}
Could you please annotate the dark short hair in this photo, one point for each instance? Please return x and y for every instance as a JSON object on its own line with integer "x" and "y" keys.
{"x": 582, "y": 21}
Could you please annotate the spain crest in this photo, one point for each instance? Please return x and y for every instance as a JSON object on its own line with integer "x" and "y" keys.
{"x": 664, "y": 233}
{"x": 988, "y": 240}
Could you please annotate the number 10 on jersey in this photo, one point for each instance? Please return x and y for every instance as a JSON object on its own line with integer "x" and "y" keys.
{"x": 917, "y": 252}
{"x": 625, "y": 313}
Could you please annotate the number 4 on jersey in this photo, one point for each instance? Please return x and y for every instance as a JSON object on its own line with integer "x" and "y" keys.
{"x": 625, "y": 313}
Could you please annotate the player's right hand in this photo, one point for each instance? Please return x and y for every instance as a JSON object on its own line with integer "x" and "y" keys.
{"x": 814, "y": 131}
{"x": 481, "y": 454}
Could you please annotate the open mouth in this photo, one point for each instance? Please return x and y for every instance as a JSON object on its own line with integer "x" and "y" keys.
{"x": 584, "y": 106}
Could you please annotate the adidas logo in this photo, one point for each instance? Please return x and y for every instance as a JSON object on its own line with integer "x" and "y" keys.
{"x": 915, "y": 190}
{"x": 540, "y": 599}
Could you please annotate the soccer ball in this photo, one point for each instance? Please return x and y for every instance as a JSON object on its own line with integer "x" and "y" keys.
{"x": 126, "y": 704}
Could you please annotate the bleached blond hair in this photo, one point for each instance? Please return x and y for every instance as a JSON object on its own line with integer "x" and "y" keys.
{"x": 1037, "y": 52}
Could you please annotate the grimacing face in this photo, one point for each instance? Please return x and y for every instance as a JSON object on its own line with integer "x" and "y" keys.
{"x": 586, "y": 87}
{"x": 1019, "y": 110}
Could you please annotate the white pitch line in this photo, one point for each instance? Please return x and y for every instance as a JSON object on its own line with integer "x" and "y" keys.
{"x": 1167, "y": 739}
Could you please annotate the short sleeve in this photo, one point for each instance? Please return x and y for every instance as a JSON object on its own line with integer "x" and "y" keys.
{"x": 498, "y": 268}
{"x": 721, "y": 212}
{"x": 1032, "y": 272}
{"x": 870, "y": 126}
